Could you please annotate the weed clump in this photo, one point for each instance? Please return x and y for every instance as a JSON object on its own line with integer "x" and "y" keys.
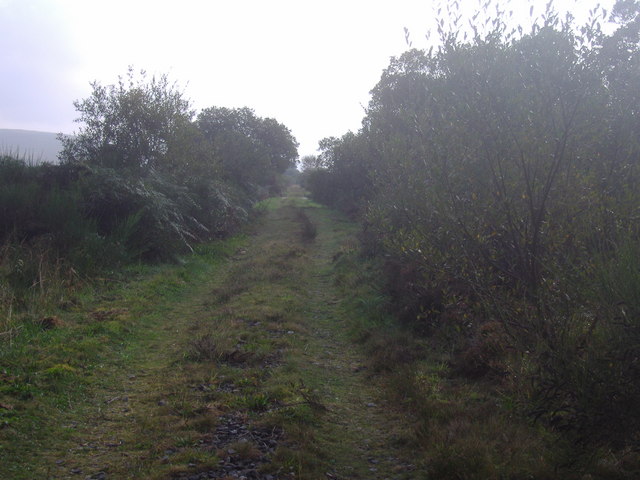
{"x": 204, "y": 348}
{"x": 209, "y": 348}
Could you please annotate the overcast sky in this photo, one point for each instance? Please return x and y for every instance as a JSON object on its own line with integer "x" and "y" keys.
{"x": 309, "y": 64}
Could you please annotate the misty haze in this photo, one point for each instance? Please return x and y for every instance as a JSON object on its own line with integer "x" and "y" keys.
{"x": 290, "y": 240}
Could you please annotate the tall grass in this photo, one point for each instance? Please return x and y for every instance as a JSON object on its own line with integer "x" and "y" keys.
{"x": 14, "y": 153}
{"x": 34, "y": 284}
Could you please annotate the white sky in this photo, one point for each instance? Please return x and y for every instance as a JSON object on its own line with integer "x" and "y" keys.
{"x": 308, "y": 64}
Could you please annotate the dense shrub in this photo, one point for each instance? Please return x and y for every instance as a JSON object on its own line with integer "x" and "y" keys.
{"x": 252, "y": 151}
{"x": 343, "y": 181}
{"x": 499, "y": 175}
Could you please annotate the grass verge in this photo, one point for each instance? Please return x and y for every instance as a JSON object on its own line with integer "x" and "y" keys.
{"x": 54, "y": 369}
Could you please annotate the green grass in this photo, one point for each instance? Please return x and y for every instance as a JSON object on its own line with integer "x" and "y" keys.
{"x": 146, "y": 337}
{"x": 47, "y": 376}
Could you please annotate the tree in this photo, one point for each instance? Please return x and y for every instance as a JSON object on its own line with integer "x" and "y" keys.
{"x": 137, "y": 124}
{"x": 311, "y": 162}
{"x": 252, "y": 150}
{"x": 152, "y": 179}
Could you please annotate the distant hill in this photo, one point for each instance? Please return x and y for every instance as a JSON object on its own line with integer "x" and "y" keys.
{"x": 30, "y": 145}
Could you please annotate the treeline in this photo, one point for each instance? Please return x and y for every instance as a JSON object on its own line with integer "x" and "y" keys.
{"x": 498, "y": 176}
{"x": 144, "y": 179}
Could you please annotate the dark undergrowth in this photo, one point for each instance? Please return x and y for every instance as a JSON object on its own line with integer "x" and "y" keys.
{"x": 471, "y": 418}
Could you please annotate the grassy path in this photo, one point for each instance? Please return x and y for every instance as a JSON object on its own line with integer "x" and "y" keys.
{"x": 361, "y": 432}
{"x": 249, "y": 373}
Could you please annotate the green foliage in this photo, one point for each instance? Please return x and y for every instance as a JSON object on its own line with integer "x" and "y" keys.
{"x": 38, "y": 199}
{"x": 252, "y": 150}
{"x": 139, "y": 181}
{"x": 155, "y": 180}
{"x": 220, "y": 206}
{"x": 136, "y": 124}
{"x": 310, "y": 162}
{"x": 342, "y": 179}
{"x": 498, "y": 175}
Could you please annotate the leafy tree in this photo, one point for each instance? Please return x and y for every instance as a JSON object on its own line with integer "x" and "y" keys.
{"x": 147, "y": 175}
{"x": 137, "y": 124}
{"x": 252, "y": 150}
{"x": 343, "y": 179}
{"x": 311, "y": 162}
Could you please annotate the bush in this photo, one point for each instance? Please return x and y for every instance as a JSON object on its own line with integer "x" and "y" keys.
{"x": 35, "y": 201}
{"x": 500, "y": 178}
